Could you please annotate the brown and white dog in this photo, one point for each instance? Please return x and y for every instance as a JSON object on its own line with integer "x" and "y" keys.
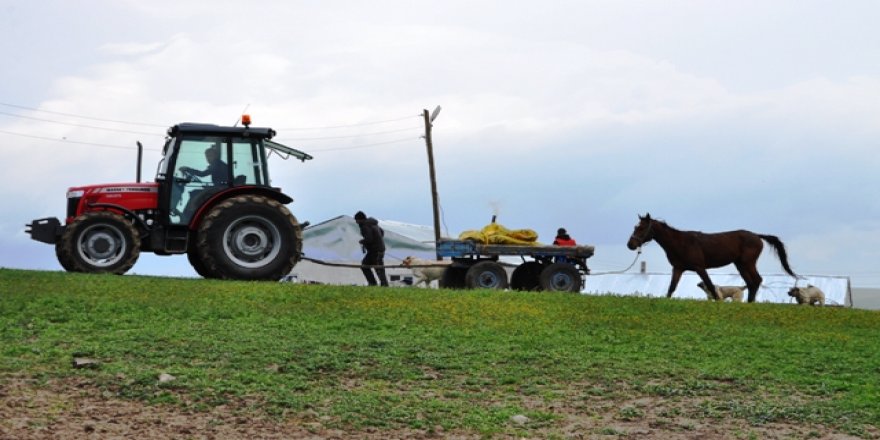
{"x": 735, "y": 293}
{"x": 808, "y": 295}
{"x": 425, "y": 274}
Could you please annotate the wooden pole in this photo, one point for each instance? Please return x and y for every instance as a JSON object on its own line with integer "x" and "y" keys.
{"x": 433, "y": 177}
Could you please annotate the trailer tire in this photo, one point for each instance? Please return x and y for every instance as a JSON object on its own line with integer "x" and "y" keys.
{"x": 249, "y": 237}
{"x": 453, "y": 278}
{"x": 526, "y": 276}
{"x": 486, "y": 275}
{"x": 99, "y": 242}
{"x": 561, "y": 277}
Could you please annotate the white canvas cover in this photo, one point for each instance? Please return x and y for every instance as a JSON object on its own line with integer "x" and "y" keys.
{"x": 336, "y": 241}
{"x": 774, "y": 289}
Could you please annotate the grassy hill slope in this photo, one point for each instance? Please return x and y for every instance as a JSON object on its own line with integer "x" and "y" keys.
{"x": 466, "y": 361}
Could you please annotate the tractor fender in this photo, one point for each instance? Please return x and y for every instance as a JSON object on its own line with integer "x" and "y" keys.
{"x": 271, "y": 193}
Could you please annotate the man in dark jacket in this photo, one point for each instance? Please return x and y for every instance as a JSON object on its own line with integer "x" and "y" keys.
{"x": 374, "y": 245}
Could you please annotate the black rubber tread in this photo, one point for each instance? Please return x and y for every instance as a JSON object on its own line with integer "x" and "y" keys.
{"x": 68, "y": 244}
{"x": 209, "y": 241}
{"x": 527, "y": 276}
{"x": 475, "y": 275}
{"x": 194, "y": 261}
{"x": 453, "y": 278}
{"x": 571, "y": 272}
{"x": 64, "y": 258}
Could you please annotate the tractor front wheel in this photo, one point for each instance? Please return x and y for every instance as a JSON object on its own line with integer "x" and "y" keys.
{"x": 99, "y": 242}
{"x": 248, "y": 238}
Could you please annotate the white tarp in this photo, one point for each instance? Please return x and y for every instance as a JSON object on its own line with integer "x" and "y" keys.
{"x": 336, "y": 241}
{"x": 774, "y": 289}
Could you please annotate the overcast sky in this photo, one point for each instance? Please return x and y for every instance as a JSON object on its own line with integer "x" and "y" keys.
{"x": 712, "y": 115}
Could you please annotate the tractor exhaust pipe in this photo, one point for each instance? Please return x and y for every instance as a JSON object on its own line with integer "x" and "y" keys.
{"x": 140, "y": 158}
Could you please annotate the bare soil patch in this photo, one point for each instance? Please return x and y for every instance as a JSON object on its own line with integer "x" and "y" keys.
{"x": 64, "y": 409}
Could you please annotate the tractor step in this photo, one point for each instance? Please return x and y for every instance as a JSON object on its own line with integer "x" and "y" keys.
{"x": 176, "y": 240}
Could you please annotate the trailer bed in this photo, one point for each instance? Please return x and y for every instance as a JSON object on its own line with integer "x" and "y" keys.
{"x": 467, "y": 248}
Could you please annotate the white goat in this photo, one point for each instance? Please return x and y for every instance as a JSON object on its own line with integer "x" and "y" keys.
{"x": 425, "y": 274}
{"x": 735, "y": 293}
{"x": 808, "y": 295}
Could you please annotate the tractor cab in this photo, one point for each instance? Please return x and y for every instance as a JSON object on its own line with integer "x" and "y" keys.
{"x": 202, "y": 161}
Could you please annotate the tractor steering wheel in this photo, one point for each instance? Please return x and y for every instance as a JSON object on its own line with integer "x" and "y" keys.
{"x": 188, "y": 175}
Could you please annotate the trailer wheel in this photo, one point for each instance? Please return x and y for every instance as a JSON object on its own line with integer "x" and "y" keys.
{"x": 486, "y": 275}
{"x": 560, "y": 277}
{"x": 526, "y": 276}
{"x": 453, "y": 278}
{"x": 99, "y": 242}
{"x": 249, "y": 238}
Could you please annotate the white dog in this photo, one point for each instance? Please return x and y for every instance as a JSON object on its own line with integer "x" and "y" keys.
{"x": 809, "y": 295}
{"x": 425, "y": 274}
{"x": 735, "y": 293}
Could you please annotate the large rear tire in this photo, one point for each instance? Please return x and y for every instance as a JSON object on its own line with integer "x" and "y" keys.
{"x": 561, "y": 277}
{"x": 196, "y": 263}
{"x": 486, "y": 275}
{"x": 249, "y": 237}
{"x": 526, "y": 276}
{"x": 99, "y": 242}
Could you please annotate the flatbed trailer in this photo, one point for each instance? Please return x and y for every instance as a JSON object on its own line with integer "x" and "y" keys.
{"x": 477, "y": 265}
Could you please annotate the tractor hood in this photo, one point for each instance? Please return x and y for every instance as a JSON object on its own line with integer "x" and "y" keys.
{"x": 112, "y": 188}
{"x": 130, "y": 196}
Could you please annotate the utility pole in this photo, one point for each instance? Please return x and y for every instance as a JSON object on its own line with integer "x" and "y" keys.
{"x": 429, "y": 119}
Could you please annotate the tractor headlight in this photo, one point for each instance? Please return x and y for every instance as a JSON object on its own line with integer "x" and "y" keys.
{"x": 75, "y": 194}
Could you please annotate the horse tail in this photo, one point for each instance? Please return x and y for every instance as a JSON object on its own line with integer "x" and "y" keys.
{"x": 780, "y": 251}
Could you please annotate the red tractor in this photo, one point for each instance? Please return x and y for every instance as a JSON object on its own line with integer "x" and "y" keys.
{"x": 211, "y": 200}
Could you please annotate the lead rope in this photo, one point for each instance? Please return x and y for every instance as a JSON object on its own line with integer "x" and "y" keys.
{"x": 639, "y": 253}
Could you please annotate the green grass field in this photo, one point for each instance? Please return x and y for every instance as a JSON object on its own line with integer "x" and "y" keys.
{"x": 417, "y": 358}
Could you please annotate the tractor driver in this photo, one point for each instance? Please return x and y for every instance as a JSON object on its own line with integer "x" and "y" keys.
{"x": 217, "y": 169}
{"x": 219, "y": 172}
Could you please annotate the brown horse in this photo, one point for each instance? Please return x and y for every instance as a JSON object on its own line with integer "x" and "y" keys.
{"x": 697, "y": 251}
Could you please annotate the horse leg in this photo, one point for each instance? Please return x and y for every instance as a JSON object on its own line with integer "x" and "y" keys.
{"x": 676, "y": 275}
{"x": 705, "y": 277}
{"x": 750, "y": 275}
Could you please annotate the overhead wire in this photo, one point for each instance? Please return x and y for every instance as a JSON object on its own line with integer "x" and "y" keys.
{"x": 65, "y": 140}
{"x": 351, "y": 135}
{"x": 116, "y": 130}
{"x": 349, "y": 125}
{"x": 6, "y": 104}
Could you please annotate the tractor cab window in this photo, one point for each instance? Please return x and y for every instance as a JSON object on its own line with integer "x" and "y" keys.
{"x": 248, "y": 162}
{"x": 201, "y": 169}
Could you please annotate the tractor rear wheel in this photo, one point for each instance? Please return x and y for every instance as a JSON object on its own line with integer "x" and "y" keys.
{"x": 196, "y": 263}
{"x": 486, "y": 275}
{"x": 99, "y": 242}
{"x": 249, "y": 237}
{"x": 561, "y": 277}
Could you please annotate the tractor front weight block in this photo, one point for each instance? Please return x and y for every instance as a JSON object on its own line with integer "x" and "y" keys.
{"x": 46, "y": 230}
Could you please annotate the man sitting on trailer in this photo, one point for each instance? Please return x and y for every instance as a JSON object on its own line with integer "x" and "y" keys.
{"x": 563, "y": 239}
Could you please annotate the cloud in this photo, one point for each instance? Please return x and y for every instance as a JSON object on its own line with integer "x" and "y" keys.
{"x": 557, "y": 116}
